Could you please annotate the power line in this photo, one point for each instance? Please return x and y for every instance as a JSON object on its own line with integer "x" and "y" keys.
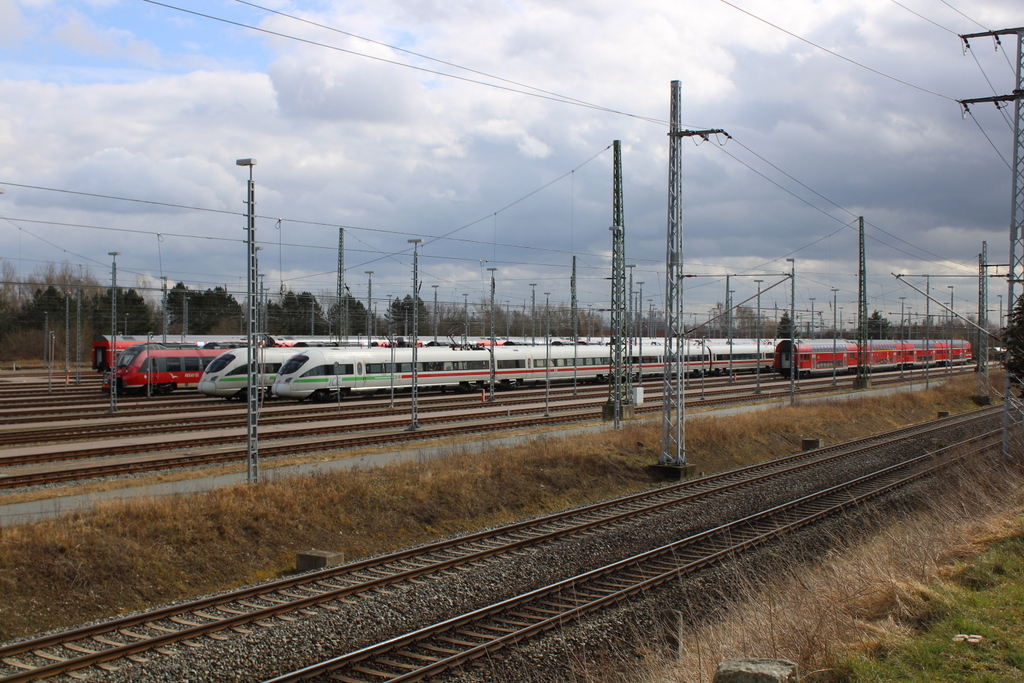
{"x": 833, "y": 53}
{"x": 537, "y": 92}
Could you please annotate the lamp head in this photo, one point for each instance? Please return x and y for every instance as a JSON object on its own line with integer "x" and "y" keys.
{"x": 245, "y": 162}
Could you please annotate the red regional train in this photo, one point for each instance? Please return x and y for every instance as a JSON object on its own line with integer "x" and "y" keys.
{"x": 103, "y": 352}
{"x": 163, "y": 367}
{"x": 823, "y": 356}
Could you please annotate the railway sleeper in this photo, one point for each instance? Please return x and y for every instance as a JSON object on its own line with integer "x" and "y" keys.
{"x": 458, "y": 641}
{"x": 417, "y": 656}
{"x": 400, "y": 665}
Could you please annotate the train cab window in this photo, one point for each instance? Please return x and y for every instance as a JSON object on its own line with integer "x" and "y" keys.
{"x": 293, "y": 364}
{"x": 173, "y": 364}
{"x": 191, "y": 364}
{"x": 220, "y": 362}
{"x": 146, "y": 364}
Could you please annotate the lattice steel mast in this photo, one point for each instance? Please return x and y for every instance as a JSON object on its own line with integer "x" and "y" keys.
{"x": 618, "y": 394}
{"x": 342, "y": 302}
{"x": 1011, "y": 404}
{"x": 673, "y": 434}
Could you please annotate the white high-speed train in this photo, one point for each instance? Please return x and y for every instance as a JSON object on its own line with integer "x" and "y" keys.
{"x": 320, "y": 373}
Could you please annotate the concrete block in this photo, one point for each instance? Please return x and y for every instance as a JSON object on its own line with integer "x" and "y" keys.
{"x": 626, "y": 412}
{"x": 317, "y": 559}
{"x": 810, "y": 444}
{"x": 943, "y": 413}
{"x": 756, "y": 670}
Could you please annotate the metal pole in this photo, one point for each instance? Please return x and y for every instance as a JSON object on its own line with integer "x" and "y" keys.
{"x": 251, "y": 315}
{"x": 758, "y": 389}
{"x": 78, "y": 337}
{"x": 490, "y": 397}
{"x": 465, "y": 318}
{"x": 547, "y": 354}
{"x": 533, "y": 312}
{"x": 640, "y": 302}
{"x": 413, "y": 424}
{"x": 67, "y": 333}
{"x": 814, "y": 331}
{"x": 113, "y": 330}
{"x": 927, "y": 330}
{"x": 435, "y": 310}
{"x": 792, "y": 332}
{"x": 903, "y": 334}
{"x": 728, "y": 325}
{"x": 835, "y": 302}
{"x": 369, "y": 307}
{"x": 949, "y": 368}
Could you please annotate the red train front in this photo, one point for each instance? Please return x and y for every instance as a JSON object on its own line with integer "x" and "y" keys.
{"x": 162, "y": 367}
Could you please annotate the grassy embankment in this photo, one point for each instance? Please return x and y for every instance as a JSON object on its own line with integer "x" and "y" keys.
{"x": 891, "y": 608}
{"x": 129, "y": 554}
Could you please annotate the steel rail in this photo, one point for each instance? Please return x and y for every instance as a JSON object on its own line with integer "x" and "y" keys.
{"x": 648, "y": 502}
{"x": 604, "y": 587}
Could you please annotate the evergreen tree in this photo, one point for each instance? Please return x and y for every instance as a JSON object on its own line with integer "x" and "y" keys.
{"x": 879, "y": 327}
{"x": 783, "y": 330}
{"x": 1013, "y": 337}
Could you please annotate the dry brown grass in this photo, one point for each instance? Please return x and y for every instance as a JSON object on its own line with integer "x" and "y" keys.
{"x": 130, "y": 554}
{"x": 864, "y": 598}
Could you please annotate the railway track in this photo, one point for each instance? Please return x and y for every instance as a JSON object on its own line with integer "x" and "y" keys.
{"x": 220, "y": 448}
{"x": 452, "y": 643}
{"x": 222, "y": 416}
{"x": 288, "y": 599}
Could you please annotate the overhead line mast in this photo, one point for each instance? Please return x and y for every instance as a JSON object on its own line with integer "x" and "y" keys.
{"x": 1010, "y": 403}
{"x": 673, "y": 410}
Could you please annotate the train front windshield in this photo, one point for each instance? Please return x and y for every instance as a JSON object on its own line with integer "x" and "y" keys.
{"x": 127, "y": 356}
{"x": 220, "y": 362}
{"x": 293, "y": 364}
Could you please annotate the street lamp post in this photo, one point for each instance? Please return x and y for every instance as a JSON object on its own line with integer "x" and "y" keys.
{"x": 113, "y": 329}
{"x": 413, "y": 424}
{"x": 792, "y": 332}
{"x": 251, "y": 384}
{"x": 490, "y": 397}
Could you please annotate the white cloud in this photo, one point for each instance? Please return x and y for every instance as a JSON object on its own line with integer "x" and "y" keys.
{"x": 342, "y": 139}
{"x": 79, "y": 33}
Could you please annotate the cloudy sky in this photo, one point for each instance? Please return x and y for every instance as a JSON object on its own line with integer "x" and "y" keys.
{"x": 485, "y": 129}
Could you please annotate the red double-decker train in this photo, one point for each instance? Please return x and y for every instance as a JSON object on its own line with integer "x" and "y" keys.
{"x": 825, "y": 356}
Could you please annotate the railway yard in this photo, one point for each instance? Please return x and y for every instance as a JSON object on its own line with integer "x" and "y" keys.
{"x": 530, "y": 599}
